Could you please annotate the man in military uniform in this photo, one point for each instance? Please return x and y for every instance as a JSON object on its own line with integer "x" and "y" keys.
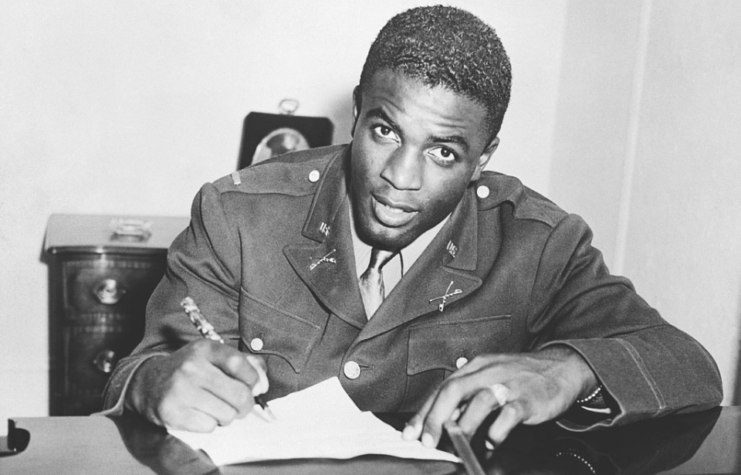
{"x": 399, "y": 265}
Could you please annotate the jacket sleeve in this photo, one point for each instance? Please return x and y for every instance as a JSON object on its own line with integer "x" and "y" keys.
{"x": 648, "y": 367}
{"x": 203, "y": 263}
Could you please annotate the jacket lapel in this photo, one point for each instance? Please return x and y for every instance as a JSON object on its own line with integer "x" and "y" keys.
{"x": 326, "y": 263}
{"x": 447, "y": 268}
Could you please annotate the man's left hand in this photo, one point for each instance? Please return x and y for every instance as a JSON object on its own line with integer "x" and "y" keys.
{"x": 529, "y": 388}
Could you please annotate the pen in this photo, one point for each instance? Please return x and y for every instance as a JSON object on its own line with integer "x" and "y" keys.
{"x": 207, "y": 331}
{"x": 464, "y": 449}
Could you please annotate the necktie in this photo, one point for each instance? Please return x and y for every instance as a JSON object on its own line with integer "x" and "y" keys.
{"x": 371, "y": 282}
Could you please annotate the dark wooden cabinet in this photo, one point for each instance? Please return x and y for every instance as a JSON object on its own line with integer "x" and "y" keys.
{"x": 102, "y": 270}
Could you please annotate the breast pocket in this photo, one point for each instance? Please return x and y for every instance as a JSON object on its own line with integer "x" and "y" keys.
{"x": 436, "y": 349}
{"x": 449, "y": 345}
{"x": 268, "y": 330}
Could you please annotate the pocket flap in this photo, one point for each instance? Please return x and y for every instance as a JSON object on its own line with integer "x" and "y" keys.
{"x": 446, "y": 345}
{"x": 269, "y": 330}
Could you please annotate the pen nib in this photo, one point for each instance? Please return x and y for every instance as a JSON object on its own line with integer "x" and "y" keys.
{"x": 265, "y": 410}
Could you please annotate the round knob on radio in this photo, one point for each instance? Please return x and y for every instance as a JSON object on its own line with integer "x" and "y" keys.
{"x": 109, "y": 292}
{"x": 105, "y": 361}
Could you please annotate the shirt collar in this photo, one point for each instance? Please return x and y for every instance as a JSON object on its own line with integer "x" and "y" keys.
{"x": 409, "y": 254}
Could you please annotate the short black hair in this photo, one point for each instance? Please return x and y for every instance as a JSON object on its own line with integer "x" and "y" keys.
{"x": 449, "y": 47}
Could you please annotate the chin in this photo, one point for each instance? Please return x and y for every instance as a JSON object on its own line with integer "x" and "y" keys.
{"x": 387, "y": 238}
{"x": 377, "y": 235}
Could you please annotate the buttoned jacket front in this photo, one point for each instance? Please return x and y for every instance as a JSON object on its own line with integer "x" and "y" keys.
{"x": 268, "y": 257}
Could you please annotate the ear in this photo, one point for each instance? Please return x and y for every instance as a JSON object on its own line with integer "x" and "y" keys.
{"x": 355, "y": 108}
{"x": 484, "y": 158}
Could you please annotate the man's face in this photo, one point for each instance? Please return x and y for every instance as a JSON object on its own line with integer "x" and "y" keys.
{"x": 415, "y": 150}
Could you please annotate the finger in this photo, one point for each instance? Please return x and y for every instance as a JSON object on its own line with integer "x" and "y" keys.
{"x": 197, "y": 410}
{"x": 478, "y": 409}
{"x": 453, "y": 393}
{"x": 413, "y": 429}
{"x": 509, "y": 417}
{"x": 228, "y": 377}
{"x": 262, "y": 385}
{"x": 191, "y": 420}
{"x": 416, "y": 425}
{"x": 218, "y": 409}
{"x": 232, "y": 392}
{"x": 233, "y": 363}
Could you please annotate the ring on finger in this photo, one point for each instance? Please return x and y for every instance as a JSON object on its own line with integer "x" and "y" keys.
{"x": 501, "y": 393}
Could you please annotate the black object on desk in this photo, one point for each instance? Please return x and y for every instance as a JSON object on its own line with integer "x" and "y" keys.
{"x": 102, "y": 270}
{"x": 702, "y": 443}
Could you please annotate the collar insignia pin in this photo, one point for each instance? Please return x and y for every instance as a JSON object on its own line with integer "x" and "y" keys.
{"x": 452, "y": 249}
{"x": 326, "y": 258}
{"x": 324, "y": 229}
{"x": 444, "y": 298}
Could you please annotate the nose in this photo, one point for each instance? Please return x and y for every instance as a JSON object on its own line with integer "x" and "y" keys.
{"x": 403, "y": 169}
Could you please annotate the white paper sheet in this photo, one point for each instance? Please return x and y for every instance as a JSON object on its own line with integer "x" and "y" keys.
{"x": 318, "y": 422}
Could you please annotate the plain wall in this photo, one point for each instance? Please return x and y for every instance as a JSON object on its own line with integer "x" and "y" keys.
{"x": 111, "y": 107}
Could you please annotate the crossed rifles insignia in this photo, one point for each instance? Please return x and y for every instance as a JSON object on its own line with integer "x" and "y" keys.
{"x": 444, "y": 298}
{"x": 326, "y": 258}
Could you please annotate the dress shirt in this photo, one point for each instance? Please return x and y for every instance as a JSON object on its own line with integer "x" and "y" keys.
{"x": 400, "y": 264}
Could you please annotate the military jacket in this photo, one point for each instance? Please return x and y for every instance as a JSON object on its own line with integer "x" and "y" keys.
{"x": 268, "y": 257}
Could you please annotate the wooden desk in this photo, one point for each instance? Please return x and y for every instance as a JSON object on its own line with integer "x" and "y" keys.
{"x": 705, "y": 443}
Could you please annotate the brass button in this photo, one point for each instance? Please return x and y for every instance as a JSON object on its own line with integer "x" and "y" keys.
{"x": 314, "y": 176}
{"x": 352, "y": 370}
{"x": 257, "y": 344}
{"x": 460, "y": 362}
{"x": 483, "y": 192}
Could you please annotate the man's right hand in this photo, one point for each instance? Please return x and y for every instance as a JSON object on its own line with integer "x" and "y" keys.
{"x": 196, "y": 388}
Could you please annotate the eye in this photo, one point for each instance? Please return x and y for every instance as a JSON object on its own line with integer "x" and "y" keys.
{"x": 443, "y": 155}
{"x": 384, "y": 131}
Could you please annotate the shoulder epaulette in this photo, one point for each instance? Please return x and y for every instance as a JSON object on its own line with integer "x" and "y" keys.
{"x": 493, "y": 189}
{"x": 294, "y": 174}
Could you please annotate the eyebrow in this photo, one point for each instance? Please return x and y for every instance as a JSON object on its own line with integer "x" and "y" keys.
{"x": 379, "y": 113}
{"x": 457, "y": 139}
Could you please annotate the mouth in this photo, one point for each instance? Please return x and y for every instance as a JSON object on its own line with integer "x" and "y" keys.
{"x": 391, "y": 214}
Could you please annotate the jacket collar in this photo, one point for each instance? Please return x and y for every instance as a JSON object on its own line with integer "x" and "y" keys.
{"x": 329, "y": 197}
{"x": 447, "y": 268}
{"x": 327, "y": 265}
{"x": 461, "y": 245}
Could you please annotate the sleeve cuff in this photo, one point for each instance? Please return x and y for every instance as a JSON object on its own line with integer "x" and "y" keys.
{"x": 119, "y": 385}
{"x": 632, "y": 392}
